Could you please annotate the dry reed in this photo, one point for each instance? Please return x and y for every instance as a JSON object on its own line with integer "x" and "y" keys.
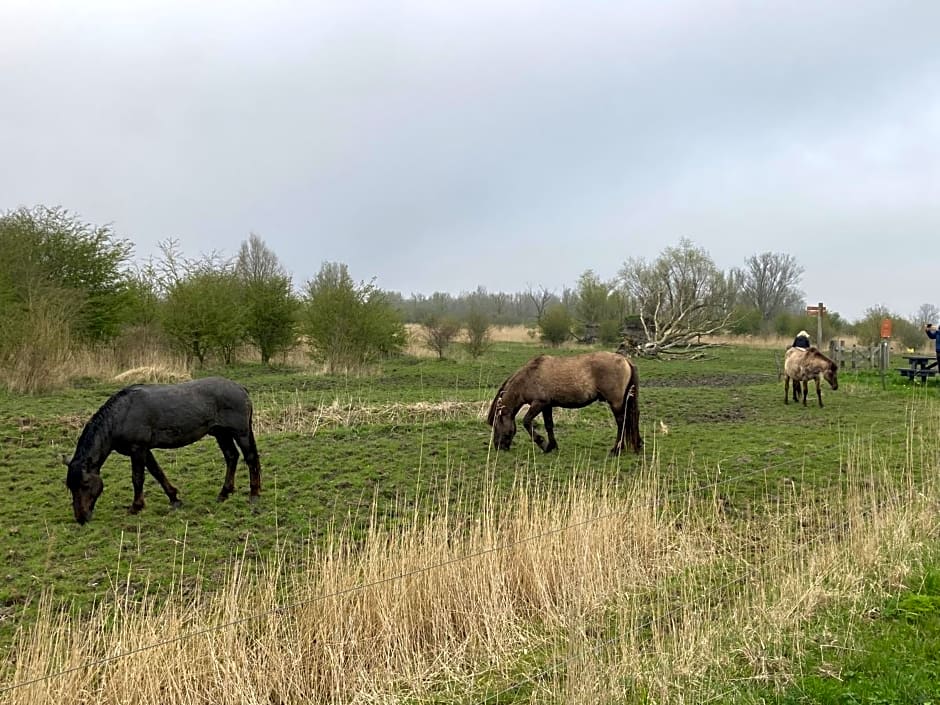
{"x": 279, "y": 413}
{"x": 589, "y": 593}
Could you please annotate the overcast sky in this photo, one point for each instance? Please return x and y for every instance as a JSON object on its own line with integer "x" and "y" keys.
{"x": 440, "y": 146}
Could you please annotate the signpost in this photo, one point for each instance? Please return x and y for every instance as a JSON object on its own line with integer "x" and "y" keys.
{"x": 819, "y": 311}
{"x": 885, "y": 336}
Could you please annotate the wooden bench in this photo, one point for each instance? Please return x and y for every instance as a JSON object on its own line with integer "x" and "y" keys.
{"x": 911, "y": 373}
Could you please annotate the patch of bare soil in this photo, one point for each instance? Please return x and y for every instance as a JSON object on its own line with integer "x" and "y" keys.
{"x": 724, "y": 379}
{"x": 729, "y": 415}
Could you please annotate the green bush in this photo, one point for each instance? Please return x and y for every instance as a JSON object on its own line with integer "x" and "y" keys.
{"x": 746, "y": 321}
{"x": 348, "y": 325}
{"x": 52, "y": 249}
{"x": 204, "y": 314}
{"x": 477, "y": 326}
{"x": 270, "y": 306}
{"x": 555, "y": 325}
{"x": 609, "y": 331}
{"x": 439, "y": 333}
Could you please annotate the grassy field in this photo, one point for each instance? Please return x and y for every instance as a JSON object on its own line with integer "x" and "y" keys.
{"x": 380, "y": 455}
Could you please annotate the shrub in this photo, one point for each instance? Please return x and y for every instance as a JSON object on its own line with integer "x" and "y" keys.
{"x": 270, "y": 306}
{"x": 746, "y": 321}
{"x": 555, "y": 325}
{"x": 477, "y": 326}
{"x": 35, "y": 342}
{"x": 439, "y": 333}
{"x": 348, "y": 326}
{"x": 52, "y": 248}
{"x": 204, "y": 313}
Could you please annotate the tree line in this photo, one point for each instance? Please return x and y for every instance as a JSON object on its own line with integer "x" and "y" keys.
{"x": 67, "y": 283}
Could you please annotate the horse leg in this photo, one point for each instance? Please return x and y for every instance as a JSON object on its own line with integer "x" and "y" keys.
{"x": 246, "y": 441}
{"x": 230, "y": 452}
{"x": 620, "y": 416}
{"x": 818, "y": 391}
{"x": 535, "y": 408}
{"x": 805, "y": 390}
{"x": 137, "y": 477}
{"x": 786, "y": 390}
{"x": 549, "y": 429}
{"x": 160, "y": 477}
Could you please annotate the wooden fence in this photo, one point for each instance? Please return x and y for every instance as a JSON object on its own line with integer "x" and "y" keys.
{"x": 857, "y": 357}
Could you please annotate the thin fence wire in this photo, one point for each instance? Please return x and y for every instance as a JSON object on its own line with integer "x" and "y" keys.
{"x": 559, "y": 663}
{"x": 689, "y": 492}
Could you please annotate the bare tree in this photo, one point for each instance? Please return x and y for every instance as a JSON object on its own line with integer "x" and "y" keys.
{"x": 540, "y": 300}
{"x": 500, "y": 301}
{"x": 926, "y": 313}
{"x": 257, "y": 262}
{"x": 680, "y": 297}
{"x": 769, "y": 282}
{"x": 439, "y": 333}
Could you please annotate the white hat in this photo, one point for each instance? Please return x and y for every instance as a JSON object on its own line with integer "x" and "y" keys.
{"x": 802, "y": 334}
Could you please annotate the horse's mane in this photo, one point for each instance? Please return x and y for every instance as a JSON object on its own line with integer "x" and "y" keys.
{"x": 97, "y": 426}
{"x": 816, "y": 352}
{"x": 525, "y": 370}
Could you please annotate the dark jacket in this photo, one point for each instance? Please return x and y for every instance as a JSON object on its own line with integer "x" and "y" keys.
{"x": 801, "y": 341}
{"x": 932, "y": 333}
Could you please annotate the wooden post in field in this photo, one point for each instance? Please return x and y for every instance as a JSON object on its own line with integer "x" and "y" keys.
{"x": 885, "y": 337}
{"x": 822, "y": 310}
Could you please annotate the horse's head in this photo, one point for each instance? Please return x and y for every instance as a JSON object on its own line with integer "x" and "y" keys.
{"x": 831, "y": 375}
{"x": 85, "y": 486}
{"x": 504, "y": 425}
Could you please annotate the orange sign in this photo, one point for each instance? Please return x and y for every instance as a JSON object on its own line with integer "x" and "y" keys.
{"x": 885, "y": 327}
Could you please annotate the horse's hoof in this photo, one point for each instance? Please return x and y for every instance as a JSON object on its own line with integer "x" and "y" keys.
{"x": 254, "y": 499}
{"x": 176, "y": 503}
{"x": 134, "y": 509}
{"x": 222, "y": 497}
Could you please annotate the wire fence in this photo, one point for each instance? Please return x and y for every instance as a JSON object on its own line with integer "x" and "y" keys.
{"x": 344, "y": 592}
{"x": 557, "y": 665}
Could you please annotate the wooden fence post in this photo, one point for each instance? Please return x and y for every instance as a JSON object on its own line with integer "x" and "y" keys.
{"x": 819, "y": 317}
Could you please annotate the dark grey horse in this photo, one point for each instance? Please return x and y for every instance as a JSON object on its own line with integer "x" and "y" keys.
{"x": 143, "y": 416}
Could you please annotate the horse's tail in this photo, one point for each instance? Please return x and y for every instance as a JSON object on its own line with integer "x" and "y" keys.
{"x": 631, "y": 409}
{"x": 491, "y": 414}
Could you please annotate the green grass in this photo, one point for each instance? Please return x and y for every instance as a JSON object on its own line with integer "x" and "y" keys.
{"x": 889, "y": 657}
{"x": 725, "y": 418}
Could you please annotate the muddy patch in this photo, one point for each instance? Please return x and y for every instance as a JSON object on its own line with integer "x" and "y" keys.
{"x": 711, "y": 380}
{"x": 731, "y": 415}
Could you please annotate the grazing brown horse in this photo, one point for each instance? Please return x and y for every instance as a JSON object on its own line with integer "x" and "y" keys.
{"x": 571, "y": 382}
{"x": 801, "y": 365}
{"x": 144, "y": 416}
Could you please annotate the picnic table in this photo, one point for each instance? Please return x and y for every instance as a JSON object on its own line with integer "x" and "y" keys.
{"x": 919, "y": 366}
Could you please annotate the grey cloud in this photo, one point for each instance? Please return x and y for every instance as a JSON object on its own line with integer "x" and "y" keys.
{"x": 445, "y": 146}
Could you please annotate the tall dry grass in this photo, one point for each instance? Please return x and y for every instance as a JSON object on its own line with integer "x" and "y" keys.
{"x": 35, "y": 345}
{"x": 48, "y": 358}
{"x": 138, "y": 355}
{"x": 596, "y": 592}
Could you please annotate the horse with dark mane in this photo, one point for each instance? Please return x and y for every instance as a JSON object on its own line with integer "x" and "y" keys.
{"x": 141, "y": 417}
{"x": 571, "y": 382}
{"x": 803, "y": 364}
